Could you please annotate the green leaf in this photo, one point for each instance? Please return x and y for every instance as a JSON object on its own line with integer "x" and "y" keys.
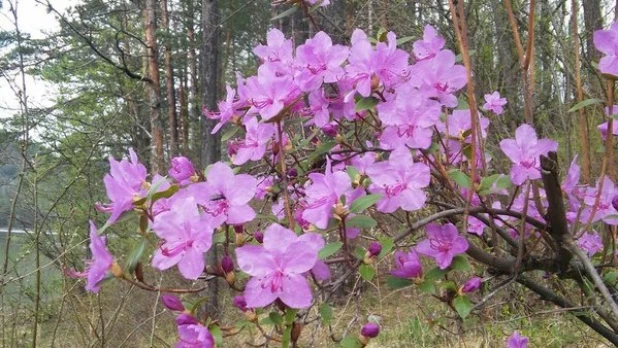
{"x": 329, "y": 249}
{"x": 229, "y": 133}
{"x": 165, "y": 194}
{"x": 322, "y": 149}
{"x": 584, "y": 103}
{"x": 366, "y": 103}
{"x": 290, "y": 315}
{"x": 215, "y": 330}
{"x": 460, "y": 178}
{"x": 350, "y": 342}
{"x": 398, "y": 283}
{"x": 434, "y": 274}
{"x": 463, "y": 306}
{"x": 326, "y": 313}
{"x": 361, "y": 221}
{"x": 285, "y": 13}
{"x": 352, "y": 173}
{"x": 198, "y": 303}
{"x": 460, "y": 263}
{"x": 359, "y": 252}
{"x": 494, "y": 182}
{"x": 405, "y": 39}
{"x": 364, "y": 202}
{"x": 611, "y": 277}
{"x": 135, "y": 256}
{"x": 275, "y": 318}
{"x": 427, "y": 287}
{"x": 387, "y": 246}
{"x": 367, "y": 272}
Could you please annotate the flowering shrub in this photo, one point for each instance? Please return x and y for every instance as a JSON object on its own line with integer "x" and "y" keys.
{"x": 333, "y": 137}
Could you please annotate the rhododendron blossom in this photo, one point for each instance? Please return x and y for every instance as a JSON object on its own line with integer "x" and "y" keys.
{"x": 225, "y": 196}
{"x": 443, "y": 243}
{"x": 429, "y": 46}
{"x": 101, "y": 261}
{"x": 125, "y": 183}
{"x": 606, "y": 41}
{"x": 407, "y": 265}
{"x": 277, "y": 268}
{"x": 186, "y": 236}
{"x": 319, "y": 61}
{"x": 524, "y": 152}
{"x": 495, "y": 103}
{"x": 400, "y": 181}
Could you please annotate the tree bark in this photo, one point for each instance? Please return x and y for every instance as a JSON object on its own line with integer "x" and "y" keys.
{"x": 592, "y": 21}
{"x": 150, "y": 23}
{"x": 193, "y": 96}
{"x": 169, "y": 84}
{"x": 210, "y": 143}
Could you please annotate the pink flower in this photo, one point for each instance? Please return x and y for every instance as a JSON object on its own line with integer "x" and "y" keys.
{"x": 182, "y": 169}
{"x": 400, "y": 182}
{"x": 517, "y": 341}
{"x": 322, "y": 3}
{"x": 225, "y": 196}
{"x": 227, "y": 109}
{"x": 494, "y": 103}
{"x": 591, "y": 243}
{"x": 324, "y": 192}
{"x": 172, "y": 303}
{"x": 386, "y": 63}
{"x": 606, "y": 41}
{"x": 186, "y": 235}
{"x": 524, "y": 151}
{"x": 440, "y": 77}
{"x": 411, "y": 118}
{"x": 443, "y": 244}
{"x": 192, "y": 334}
{"x": 407, "y": 265}
{"x": 278, "y": 266}
{"x": 431, "y": 44}
{"x": 277, "y": 52}
{"x": 253, "y": 147}
{"x": 124, "y": 183}
{"x": 98, "y": 266}
{"x": 268, "y": 92}
{"x": 605, "y": 210}
{"x": 472, "y": 285}
{"x": 319, "y": 61}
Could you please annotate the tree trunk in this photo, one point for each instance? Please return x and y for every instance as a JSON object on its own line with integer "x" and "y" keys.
{"x": 593, "y": 21}
{"x": 169, "y": 83}
{"x": 194, "y": 105}
{"x": 157, "y": 163}
{"x": 183, "y": 119}
{"x": 210, "y": 143}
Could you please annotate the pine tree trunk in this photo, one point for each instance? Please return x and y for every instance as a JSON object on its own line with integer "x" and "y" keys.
{"x": 169, "y": 84}
{"x": 211, "y": 143}
{"x": 193, "y": 97}
{"x": 157, "y": 163}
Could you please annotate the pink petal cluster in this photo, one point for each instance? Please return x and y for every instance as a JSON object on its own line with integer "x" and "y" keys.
{"x": 277, "y": 268}
{"x": 443, "y": 243}
{"x": 525, "y": 151}
{"x": 495, "y": 103}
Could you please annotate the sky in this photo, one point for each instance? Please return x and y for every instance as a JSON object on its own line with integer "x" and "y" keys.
{"x": 34, "y": 20}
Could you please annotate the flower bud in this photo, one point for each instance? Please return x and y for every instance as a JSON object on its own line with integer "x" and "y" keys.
{"x": 340, "y": 211}
{"x": 259, "y": 237}
{"x": 182, "y": 169}
{"x": 240, "y": 303}
{"x": 172, "y": 303}
{"x": 471, "y": 285}
{"x": 232, "y": 148}
{"x": 292, "y": 173}
{"x": 330, "y": 130}
{"x": 297, "y": 329}
{"x": 227, "y": 265}
{"x": 238, "y": 229}
{"x": 186, "y": 319}
{"x": 371, "y": 330}
{"x": 375, "y": 248}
